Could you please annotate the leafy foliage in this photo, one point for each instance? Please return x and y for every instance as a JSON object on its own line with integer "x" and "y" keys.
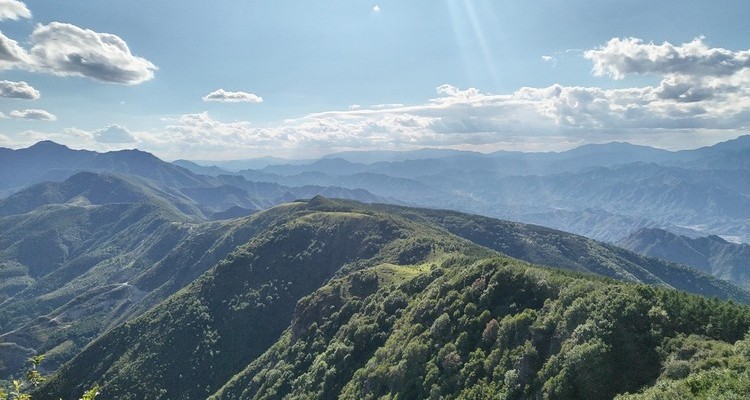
{"x": 487, "y": 329}
{"x": 329, "y": 299}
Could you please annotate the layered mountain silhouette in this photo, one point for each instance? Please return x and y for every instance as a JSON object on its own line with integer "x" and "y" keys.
{"x": 200, "y": 196}
{"x": 603, "y": 191}
{"x": 711, "y": 254}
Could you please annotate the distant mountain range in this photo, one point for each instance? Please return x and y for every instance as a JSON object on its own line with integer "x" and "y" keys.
{"x": 603, "y": 191}
{"x": 712, "y": 254}
{"x": 199, "y": 196}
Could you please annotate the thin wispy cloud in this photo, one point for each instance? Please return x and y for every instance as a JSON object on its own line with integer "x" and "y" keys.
{"x": 550, "y": 60}
{"x": 224, "y": 96}
{"x": 33, "y": 115}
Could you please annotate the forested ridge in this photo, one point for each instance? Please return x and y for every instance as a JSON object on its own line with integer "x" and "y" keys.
{"x": 341, "y": 300}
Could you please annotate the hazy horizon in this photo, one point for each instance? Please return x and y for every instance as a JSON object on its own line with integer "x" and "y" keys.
{"x": 202, "y": 161}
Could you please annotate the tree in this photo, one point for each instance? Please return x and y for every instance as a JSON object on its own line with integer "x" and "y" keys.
{"x": 18, "y": 389}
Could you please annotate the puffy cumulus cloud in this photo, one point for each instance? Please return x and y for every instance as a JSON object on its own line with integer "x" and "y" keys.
{"x": 621, "y": 57}
{"x": 224, "y": 96}
{"x": 32, "y": 114}
{"x": 311, "y": 132}
{"x": 18, "y": 90}
{"x": 114, "y": 134}
{"x": 13, "y": 9}
{"x": 111, "y": 137}
{"x": 67, "y": 50}
{"x": 681, "y": 110}
{"x": 202, "y": 129}
{"x": 11, "y": 54}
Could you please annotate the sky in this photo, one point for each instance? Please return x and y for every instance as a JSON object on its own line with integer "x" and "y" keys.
{"x": 228, "y": 79}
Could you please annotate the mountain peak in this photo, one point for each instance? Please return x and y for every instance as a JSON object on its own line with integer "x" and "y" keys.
{"x": 47, "y": 145}
{"x": 135, "y": 153}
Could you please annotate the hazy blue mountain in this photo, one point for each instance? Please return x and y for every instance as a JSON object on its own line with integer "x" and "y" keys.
{"x": 709, "y": 201}
{"x": 603, "y": 191}
{"x": 196, "y": 194}
{"x": 211, "y": 170}
{"x": 49, "y": 161}
{"x": 711, "y": 254}
{"x": 250, "y": 163}
{"x": 605, "y": 203}
{"x": 89, "y": 188}
{"x": 331, "y": 166}
{"x": 411, "y": 164}
{"x": 373, "y": 156}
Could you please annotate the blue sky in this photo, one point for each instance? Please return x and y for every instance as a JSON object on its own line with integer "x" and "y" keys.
{"x": 228, "y": 79}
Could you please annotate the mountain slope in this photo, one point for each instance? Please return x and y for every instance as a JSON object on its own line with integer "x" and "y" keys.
{"x": 49, "y": 161}
{"x": 70, "y": 271}
{"x": 405, "y": 315}
{"x": 487, "y": 329}
{"x": 89, "y": 188}
{"x": 234, "y": 313}
{"x": 712, "y": 254}
{"x": 545, "y": 246}
{"x": 238, "y": 309}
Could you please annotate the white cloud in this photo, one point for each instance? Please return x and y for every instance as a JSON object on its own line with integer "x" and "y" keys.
{"x": 32, "y": 114}
{"x": 224, "y": 96}
{"x": 681, "y": 106}
{"x": 683, "y": 109}
{"x": 18, "y": 90}
{"x": 621, "y": 57}
{"x": 386, "y": 105}
{"x": 67, "y": 50}
{"x": 114, "y": 134}
{"x": 13, "y": 9}
{"x": 11, "y": 54}
{"x": 376, "y": 8}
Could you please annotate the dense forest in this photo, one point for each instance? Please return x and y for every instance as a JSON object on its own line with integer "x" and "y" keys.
{"x": 343, "y": 300}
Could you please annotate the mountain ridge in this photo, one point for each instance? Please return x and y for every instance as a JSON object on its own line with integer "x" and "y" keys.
{"x": 711, "y": 254}
{"x": 395, "y": 298}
